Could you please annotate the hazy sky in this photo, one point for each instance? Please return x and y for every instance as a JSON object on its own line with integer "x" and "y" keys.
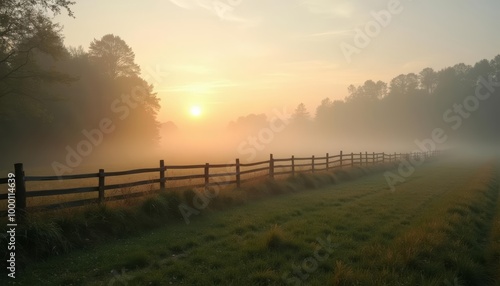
{"x": 235, "y": 57}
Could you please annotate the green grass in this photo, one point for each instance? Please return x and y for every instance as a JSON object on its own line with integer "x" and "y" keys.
{"x": 45, "y": 234}
{"x": 440, "y": 227}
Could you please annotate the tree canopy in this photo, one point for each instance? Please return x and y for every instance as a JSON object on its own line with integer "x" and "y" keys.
{"x": 52, "y": 96}
{"x": 29, "y": 45}
{"x": 114, "y": 57}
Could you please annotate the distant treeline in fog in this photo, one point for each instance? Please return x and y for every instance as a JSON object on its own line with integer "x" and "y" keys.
{"x": 462, "y": 100}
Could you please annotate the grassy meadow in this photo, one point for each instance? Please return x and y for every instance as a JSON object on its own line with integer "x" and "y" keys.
{"x": 440, "y": 227}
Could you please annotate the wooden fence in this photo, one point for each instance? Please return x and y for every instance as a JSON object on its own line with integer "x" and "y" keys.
{"x": 234, "y": 174}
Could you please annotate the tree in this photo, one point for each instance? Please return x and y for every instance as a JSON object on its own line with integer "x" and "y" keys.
{"x": 301, "y": 114}
{"x": 25, "y": 30}
{"x": 482, "y": 68}
{"x": 404, "y": 84}
{"x": 375, "y": 90}
{"x": 370, "y": 90}
{"x": 495, "y": 64}
{"x": 428, "y": 80}
{"x": 29, "y": 45}
{"x": 462, "y": 69}
{"x": 119, "y": 84}
{"x": 323, "y": 110}
{"x": 114, "y": 56}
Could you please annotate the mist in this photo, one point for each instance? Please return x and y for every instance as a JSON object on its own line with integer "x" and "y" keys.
{"x": 111, "y": 121}
{"x": 70, "y": 109}
{"x": 250, "y": 142}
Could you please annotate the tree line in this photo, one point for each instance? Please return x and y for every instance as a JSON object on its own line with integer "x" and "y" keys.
{"x": 463, "y": 100}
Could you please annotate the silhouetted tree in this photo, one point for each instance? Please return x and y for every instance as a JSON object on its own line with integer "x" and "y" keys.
{"x": 323, "y": 110}
{"x": 404, "y": 84}
{"x": 24, "y": 29}
{"x": 482, "y": 68}
{"x": 370, "y": 91}
{"x": 428, "y": 80}
{"x": 114, "y": 56}
{"x": 495, "y": 64}
{"x": 29, "y": 44}
{"x": 301, "y": 114}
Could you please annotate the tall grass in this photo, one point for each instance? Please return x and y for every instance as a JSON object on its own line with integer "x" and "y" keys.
{"x": 439, "y": 228}
{"x": 444, "y": 244}
{"x": 58, "y": 232}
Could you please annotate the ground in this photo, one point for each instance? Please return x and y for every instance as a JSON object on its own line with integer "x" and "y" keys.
{"x": 440, "y": 227}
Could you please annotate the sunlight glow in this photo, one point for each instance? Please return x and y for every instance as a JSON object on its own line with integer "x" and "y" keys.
{"x": 195, "y": 111}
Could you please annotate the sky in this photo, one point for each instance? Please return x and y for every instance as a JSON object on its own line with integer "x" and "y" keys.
{"x": 236, "y": 57}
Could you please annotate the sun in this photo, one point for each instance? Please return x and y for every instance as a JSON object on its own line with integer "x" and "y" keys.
{"x": 195, "y": 111}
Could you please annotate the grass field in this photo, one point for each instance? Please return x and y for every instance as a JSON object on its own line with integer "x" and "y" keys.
{"x": 440, "y": 227}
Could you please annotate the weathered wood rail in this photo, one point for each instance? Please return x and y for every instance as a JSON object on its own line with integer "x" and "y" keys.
{"x": 234, "y": 174}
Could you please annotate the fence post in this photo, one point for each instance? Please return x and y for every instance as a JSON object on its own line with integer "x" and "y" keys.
{"x": 162, "y": 175}
{"x": 327, "y": 162}
{"x": 383, "y": 157}
{"x": 293, "y": 166}
{"x": 361, "y": 158}
{"x": 207, "y": 176}
{"x": 101, "y": 185}
{"x": 271, "y": 166}
{"x": 341, "y": 159}
{"x": 238, "y": 177}
{"x": 20, "y": 188}
{"x": 373, "y": 159}
{"x": 312, "y": 164}
{"x": 352, "y": 159}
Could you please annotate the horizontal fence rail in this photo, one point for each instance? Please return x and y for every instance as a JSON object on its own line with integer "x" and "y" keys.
{"x": 210, "y": 174}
